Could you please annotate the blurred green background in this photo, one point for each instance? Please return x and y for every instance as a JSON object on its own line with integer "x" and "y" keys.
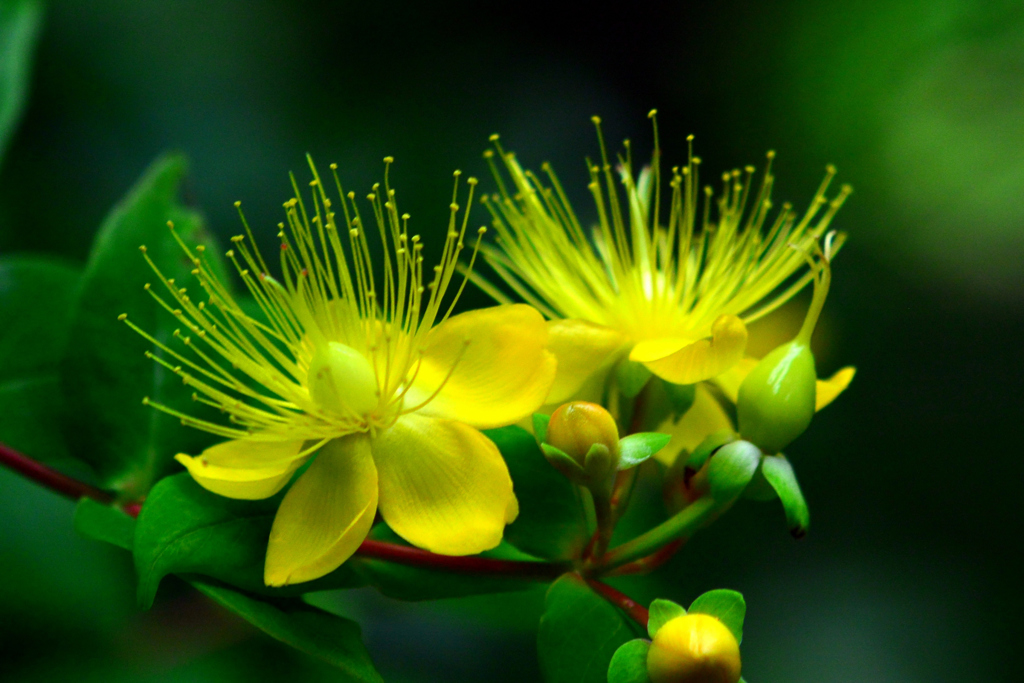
{"x": 914, "y": 476}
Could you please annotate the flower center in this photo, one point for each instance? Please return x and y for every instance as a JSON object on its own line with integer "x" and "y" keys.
{"x": 342, "y": 381}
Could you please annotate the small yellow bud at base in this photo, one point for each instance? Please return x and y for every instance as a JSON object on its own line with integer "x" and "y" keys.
{"x": 576, "y": 426}
{"x": 694, "y": 648}
{"x": 342, "y": 381}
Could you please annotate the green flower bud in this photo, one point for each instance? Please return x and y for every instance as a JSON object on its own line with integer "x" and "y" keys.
{"x": 776, "y": 400}
{"x": 576, "y": 427}
{"x": 694, "y": 648}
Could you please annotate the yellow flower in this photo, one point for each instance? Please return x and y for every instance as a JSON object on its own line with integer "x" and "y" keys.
{"x": 380, "y": 383}
{"x": 675, "y": 297}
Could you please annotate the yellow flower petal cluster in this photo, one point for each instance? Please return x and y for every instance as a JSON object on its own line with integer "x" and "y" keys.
{"x": 370, "y": 377}
{"x": 675, "y": 296}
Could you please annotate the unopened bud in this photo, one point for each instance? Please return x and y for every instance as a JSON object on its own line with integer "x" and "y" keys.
{"x": 575, "y": 428}
{"x": 694, "y": 648}
{"x": 581, "y": 440}
{"x": 776, "y": 400}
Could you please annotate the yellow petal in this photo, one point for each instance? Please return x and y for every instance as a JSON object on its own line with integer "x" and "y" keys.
{"x": 502, "y": 369}
{"x": 704, "y": 417}
{"x": 828, "y": 389}
{"x": 443, "y": 485}
{"x": 582, "y": 348}
{"x": 325, "y": 515}
{"x": 681, "y": 361}
{"x": 245, "y": 469}
{"x": 730, "y": 380}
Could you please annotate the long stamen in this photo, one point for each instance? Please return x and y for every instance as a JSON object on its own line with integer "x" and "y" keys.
{"x": 637, "y": 273}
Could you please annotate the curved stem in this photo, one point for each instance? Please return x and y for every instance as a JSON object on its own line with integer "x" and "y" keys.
{"x": 631, "y": 607}
{"x": 681, "y": 526}
{"x": 50, "y": 478}
{"x": 401, "y": 554}
{"x": 648, "y": 564}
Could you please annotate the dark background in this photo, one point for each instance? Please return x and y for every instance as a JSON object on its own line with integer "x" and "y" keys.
{"x": 914, "y": 476}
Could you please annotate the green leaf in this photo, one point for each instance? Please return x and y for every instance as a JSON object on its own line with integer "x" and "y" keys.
{"x": 552, "y": 521}
{"x": 725, "y": 605}
{"x": 20, "y": 21}
{"x": 405, "y": 582}
{"x": 779, "y": 473}
{"x": 662, "y": 612}
{"x": 579, "y": 633}
{"x": 540, "y": 426}
{"x": 36, "y": 297}
{"x": 731, "y": 469}
{"x": 323, "y": 635}
{"x": 636, "y": 448}
{"x": 631, "y": 377}
{"x": 103, "y": 523}
{"x": 629, "y": 663}
{"x": 105, "y": 374}
{"x": 184, "y": 528}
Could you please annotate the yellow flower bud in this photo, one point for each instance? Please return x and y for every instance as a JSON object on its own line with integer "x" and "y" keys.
{"x": 342, "y": 381}
{"x": 694, "y": 648}
{"x": 577, "y": 426}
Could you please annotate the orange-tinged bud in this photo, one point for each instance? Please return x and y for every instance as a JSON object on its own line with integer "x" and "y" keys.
{"x": 694, "y": 648}
{"x": 575, "y": 427}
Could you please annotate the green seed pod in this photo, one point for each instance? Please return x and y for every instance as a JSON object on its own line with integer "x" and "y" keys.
{"x": 776, "y": 400}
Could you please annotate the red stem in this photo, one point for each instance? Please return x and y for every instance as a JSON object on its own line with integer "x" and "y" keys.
{"x": 74, "y": 489}
{"x": 631, "y": 607}
{"x": 50, "y": 478}
{"x": 401, "y": 554}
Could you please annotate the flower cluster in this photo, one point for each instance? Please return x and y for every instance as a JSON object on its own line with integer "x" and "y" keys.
{"x": 349, "y": 383}
{"x": 638, "y": 295}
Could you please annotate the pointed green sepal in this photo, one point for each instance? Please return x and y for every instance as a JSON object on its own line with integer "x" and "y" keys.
{"x": 709, "y": 445}
{"x": 681, "y": 396}
{"x": 727, "y": 606}
{"x": 779, "y": 473}
{"x": 731, "y": 469}
{"x": 636, "y": 448}
{"x": 662, "y": 612}
{"x": 631, "y": 377}
{"x": 540, "y": 426}
{"x": 564, "y": 463}
{"x": 629, "y": 663}
{"x": 599, "y": 463}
